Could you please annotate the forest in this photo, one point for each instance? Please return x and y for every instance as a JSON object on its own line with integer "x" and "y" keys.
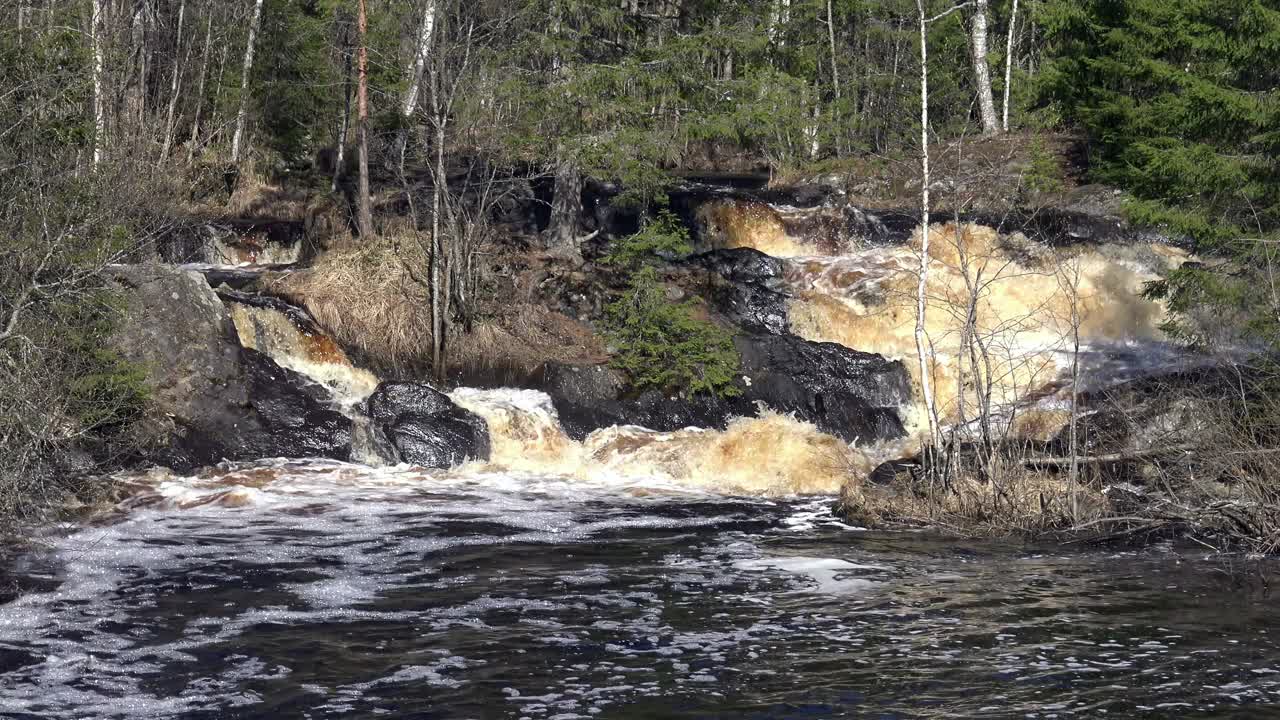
{"x": 431, "y": 150}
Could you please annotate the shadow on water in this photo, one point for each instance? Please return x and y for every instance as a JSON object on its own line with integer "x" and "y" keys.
{"x": 336, "y": 592}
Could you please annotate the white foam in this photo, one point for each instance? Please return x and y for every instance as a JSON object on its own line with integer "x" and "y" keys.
{"x": 830, "y": 576}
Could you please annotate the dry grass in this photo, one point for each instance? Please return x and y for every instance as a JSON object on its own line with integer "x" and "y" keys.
{"x": 510, "y": 347}
{"x": 373, "y": 299}
{"x": 1015, "y": 501}
{"x": 367, "y": 300}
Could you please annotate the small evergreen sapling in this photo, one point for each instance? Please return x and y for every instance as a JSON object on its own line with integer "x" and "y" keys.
{"x": 662, "y": 344}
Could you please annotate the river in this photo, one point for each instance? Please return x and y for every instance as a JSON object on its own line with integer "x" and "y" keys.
{"x": 320, "y": 589}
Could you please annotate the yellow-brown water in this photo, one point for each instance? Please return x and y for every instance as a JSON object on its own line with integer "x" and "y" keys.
{"x": 1011, "y": 309}
{"x": 772, "y": 454}
{"x": 306, "y": 351}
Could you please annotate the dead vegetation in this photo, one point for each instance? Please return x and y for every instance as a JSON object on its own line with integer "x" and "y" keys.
{"x": 1009, "y": 499}
{"x": 373, "y": 300}
{"x": 367, "y": 300}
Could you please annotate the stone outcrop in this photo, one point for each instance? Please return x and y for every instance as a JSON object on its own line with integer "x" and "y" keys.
{"x": 424, "y": 427}
{"x": 210, "y": 399}
{"x": 846, "y": 393}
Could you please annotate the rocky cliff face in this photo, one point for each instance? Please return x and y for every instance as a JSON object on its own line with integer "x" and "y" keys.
{"x": 212, "y": 399}
{"x": 217, "y": 393}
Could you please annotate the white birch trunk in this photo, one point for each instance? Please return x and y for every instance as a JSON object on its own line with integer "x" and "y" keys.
{"x": 421, "y": 54}
{"x": 812, "y": 132}
{"x": 237, "y": 140}
{"x": 344, "y": 122}
{"x": 779, "y": 16}
{"x": 831, "y": 38}
{"x": 1008, "y": 64}
{"x": 99, "y": 102}
{"x": 981, "y": 73}
{"x": 922, "y": 349}
{"x": 174, "y": 84}
{"x": 557, "y": 27}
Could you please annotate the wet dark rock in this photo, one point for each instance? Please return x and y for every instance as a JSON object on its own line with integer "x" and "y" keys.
{"x": 300, "y": 318}
{"x": 240, "y": 278}
{"x": 211, "y": 400}
{"x": 746, "y": 286}
{"x": 849, "y": 394}
{"x": 424, "y": 426}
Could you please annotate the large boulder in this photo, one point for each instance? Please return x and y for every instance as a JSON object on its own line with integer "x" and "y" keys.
{"x": 424, "y": 427}
{"x": 210, "y": 399}
{"x": 746, "y": 286}
{"x": 846, "y": 393}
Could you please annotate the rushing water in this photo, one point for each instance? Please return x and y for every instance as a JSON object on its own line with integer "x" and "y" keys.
{"x": 322, "y": 589}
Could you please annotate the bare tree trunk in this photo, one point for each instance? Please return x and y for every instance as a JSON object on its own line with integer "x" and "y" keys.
{"x": 204, "y": 72}
{"x": 981, "y": 73}
{"x": 1008, "y": 63}
{"x": 174, "y": 84}
{"x": 438, "y": 298}
{"x": 215, "y": 126}
{"x": 422, "y": 53}
{"x": 417, "y": 69}
{"x": 566, "y": 203}
{"x": 1073, "y": 440}
{"x": 143, "y": 38}
{"x": 344, "y": 122}
{"x": 922, "y": 349}
{"x": 364, "y": 214}
{"x": 237, "y": 139}
{"x": 835, "y": 74}
{"x": 99, "y": 102}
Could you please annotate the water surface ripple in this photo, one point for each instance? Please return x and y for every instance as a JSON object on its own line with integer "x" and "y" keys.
{"x": 322, "y": 589}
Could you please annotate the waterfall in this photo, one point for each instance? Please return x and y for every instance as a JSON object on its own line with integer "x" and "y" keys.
{"x": 287, "y": 335}
{"x": 772, "y": 454}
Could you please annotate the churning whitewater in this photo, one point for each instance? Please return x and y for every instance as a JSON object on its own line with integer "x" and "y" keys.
{"x": 317, "y": 589}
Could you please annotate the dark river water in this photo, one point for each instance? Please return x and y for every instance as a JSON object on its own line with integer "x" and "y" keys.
{"x": 322, "y": 590}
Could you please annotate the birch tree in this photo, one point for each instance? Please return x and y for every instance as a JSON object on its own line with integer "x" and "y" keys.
{"x": 421, "y": 55}
{"x": 922, "y": 349}
{"x": 99, "y": 101}
{"x": 344, "y": 118}
{"x": 1008, "y": 63}
{"x": 255, "y": 25}
{"x": 422, "y": 52}
{"x": 204, "y": 73}
{"x": 981, "y": 72}
{"x": 779, "y": 16}
{"x": 174, "y": 84}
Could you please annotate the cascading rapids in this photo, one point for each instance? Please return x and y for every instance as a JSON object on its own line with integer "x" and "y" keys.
{"x": 295, "y": 345}
{"x": 771, "y": 454}
{"x": 1029, "y": 305}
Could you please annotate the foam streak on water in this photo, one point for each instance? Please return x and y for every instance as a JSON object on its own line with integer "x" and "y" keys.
{"x": 316, "y": 589}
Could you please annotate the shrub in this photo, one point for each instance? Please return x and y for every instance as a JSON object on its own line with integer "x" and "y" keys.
{"x": 662, "y": 344}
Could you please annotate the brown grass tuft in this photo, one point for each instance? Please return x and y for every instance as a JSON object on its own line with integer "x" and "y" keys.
{"x": 372, "y": 299}
{"x": 366, "y": 299}
{"x": 1016, "y": 501}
